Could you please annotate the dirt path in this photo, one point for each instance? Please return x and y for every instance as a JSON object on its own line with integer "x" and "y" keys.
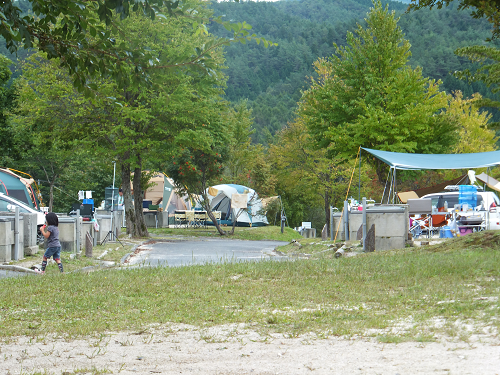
{"x": 237, "y": 349}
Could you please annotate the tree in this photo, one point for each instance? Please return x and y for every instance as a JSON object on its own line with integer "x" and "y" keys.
{"x": 473, "y": 133}
{"x": 240, "y": 149}
{"x": 367, "y": 95}
{"x": 139, "y": 130}
{"x": 196, "y": 161}
{"x": 490, "y": 9}
{"x": 305, "y": 174}
{"x": 84, "y": 36}
{"x": 7, "y": 97}
{"x": 488, "y": 58}
{"x": 46, "y": 107}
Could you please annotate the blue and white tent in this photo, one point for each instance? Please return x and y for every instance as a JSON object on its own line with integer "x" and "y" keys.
{"x": 228, "y": 198}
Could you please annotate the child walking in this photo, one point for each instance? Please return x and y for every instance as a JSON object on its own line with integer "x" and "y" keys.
{"x": 51, "y": 232}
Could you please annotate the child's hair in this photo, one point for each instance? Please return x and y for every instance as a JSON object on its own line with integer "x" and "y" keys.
{"x": 51, "y": 219}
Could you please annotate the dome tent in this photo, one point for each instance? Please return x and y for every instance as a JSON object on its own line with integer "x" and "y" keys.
{"x": 237, "y": 202}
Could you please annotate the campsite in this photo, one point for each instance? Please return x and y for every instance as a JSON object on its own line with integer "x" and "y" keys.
{"x": 240, "y": 187}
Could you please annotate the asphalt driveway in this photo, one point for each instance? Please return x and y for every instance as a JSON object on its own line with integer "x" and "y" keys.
{"x": 174, "y": 253}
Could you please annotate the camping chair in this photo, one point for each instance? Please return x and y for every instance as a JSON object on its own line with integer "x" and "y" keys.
{"x": 189, "y": 218}
{"x": 179, "y": 218}
{"x": 200, "y": 218}
{"x": 419, "y": 207}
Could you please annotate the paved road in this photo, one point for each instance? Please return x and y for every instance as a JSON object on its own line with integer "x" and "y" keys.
{"x": 181, "y": 252}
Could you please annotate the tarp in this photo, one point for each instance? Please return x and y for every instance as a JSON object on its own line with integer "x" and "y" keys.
{"x": 399, "y": 160}
{"x": 490, "y": 181}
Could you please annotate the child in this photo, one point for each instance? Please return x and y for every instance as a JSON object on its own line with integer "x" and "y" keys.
{"x": 51, "y": 232}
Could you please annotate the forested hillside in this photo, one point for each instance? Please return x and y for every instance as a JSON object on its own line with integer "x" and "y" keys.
{"x": 273, "y": 78}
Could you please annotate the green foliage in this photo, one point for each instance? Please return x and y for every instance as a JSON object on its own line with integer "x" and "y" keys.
{"x": 9, "y": 151}
{"x": 488, "y": 9}
{"x": 368, "y": 96}
{"x": 85, "y": 36}
{"x": 272, "y": 79}
{"x": 196, "y": 168}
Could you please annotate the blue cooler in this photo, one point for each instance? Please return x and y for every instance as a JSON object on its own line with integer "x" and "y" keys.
{"x": 467, "y": 194}
{"x": 445, "y": 232}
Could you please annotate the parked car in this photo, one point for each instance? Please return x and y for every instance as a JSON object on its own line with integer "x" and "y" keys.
{"x": 8, "y": 204}
{"x": 488, "y": 206}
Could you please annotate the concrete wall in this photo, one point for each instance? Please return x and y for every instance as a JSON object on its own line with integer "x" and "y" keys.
{"x": 104, "y": 220}
{"x": 30, "y": 231}
{"x": 391, "y": 226}
{"x": 67, "y": 233}
{"x": 338, "y": 224}
{"x": 72, "y": 233}
{"x": 7, "y": 239}
{"x": 355, "y": 222}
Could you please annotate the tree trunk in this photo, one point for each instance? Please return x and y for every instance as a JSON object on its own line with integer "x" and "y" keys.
{"x": 51, "y": 196}
{"x": 206, "y": 206}
{"x": 140, "y": 229}
{"x": 327, "y": 209}
{"x": 127, "y": 197}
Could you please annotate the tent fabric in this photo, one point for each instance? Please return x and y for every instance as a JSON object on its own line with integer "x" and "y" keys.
{"x": 489, "y": 181}
{"x": 162, "y": 192}
{"x": 18, "y": 187}
{"x": 250, "y": 216}
{"x": 399, "y": 160}
{"x": 415, "y": 194}
{"x": 239, "y": 200}
{"x": 462, "y": 180}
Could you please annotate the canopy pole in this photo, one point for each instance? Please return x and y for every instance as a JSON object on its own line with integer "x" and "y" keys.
{"x": 385, "y": 186}
{"x": 359, "y": 181}
{"x": 395, "y": 185}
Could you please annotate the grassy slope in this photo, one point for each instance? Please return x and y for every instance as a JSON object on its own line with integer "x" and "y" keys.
{"x": 366, "y": 294}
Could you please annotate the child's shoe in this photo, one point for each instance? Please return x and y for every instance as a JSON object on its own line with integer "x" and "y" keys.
{"x": 39, "y": 271}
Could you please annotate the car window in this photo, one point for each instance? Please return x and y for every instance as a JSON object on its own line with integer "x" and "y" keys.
{"x": 4, "y": 203}
{"x": 452, "y": 199}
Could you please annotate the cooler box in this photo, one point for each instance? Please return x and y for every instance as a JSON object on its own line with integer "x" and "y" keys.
{"x": 467, "y": 194}
{"x": 462, "y": 231}
{"x": 445, "y": 232}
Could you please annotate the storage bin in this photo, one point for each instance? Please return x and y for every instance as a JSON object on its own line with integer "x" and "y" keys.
{"x": 464, "y": 231}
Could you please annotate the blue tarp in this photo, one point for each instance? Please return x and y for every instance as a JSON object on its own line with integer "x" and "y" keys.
{"x": 399, "y": 160}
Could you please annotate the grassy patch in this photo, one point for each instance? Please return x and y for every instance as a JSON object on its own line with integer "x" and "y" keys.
{"x": 420, "y": 292}
{"x": 240, "y": 233}
{"x": 110, "y": 252}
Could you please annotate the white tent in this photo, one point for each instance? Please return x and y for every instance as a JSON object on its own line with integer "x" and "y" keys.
{"x": 237, "y": 201}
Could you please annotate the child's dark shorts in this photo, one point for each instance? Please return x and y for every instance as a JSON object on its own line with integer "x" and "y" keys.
{"x": 53, "y": 251}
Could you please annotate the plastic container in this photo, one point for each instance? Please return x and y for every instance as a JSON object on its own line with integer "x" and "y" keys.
{"x": 445, "y": 232}
{"x": 464, "y": 231}
{"x": 467, "y": 194}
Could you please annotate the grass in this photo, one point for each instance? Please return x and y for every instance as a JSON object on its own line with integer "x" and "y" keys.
{"x": 240, "y": 233}
{"x": 412, "y": 293}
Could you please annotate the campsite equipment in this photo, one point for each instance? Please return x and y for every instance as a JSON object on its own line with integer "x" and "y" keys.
{"x": 445, "y": 232}
{"x": 462, "y": 231}
{"x": 237, "y": 203}
{"x": 467, "y": 194}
